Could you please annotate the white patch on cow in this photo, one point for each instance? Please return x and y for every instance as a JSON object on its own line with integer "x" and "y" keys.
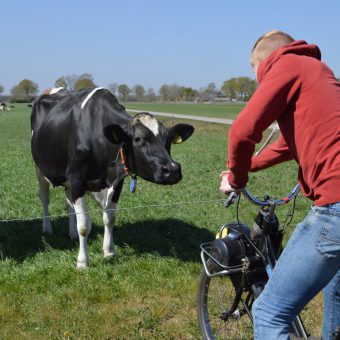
{"x": 110, "y": 193}
{"x": 56, "y": 90}
{"x": 84, "y": 228}
{"x": 90, "y": 95}
{"x": 109, "y": 219}
{"x": 32, "y": 133}
{"x": 151, "y": 123}
{"x": 104, "y": 198}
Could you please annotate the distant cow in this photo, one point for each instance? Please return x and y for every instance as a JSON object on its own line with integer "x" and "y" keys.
{"x": 86, "y": 142}
{"x": 3, "y": 106}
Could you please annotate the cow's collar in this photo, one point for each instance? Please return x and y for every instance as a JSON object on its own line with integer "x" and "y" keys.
{"x": 122, "y": 155}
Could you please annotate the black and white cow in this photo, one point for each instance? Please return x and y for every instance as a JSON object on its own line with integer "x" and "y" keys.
{"x": 3, "y": 106}
{"x": 86, "y": 142}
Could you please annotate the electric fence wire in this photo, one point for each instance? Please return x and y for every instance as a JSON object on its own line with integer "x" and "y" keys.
{"x": 151, "y": 206}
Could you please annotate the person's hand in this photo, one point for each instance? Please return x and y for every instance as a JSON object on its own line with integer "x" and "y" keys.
{"x": 225, "y": 187}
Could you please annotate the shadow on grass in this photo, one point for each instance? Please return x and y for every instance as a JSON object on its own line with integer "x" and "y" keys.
{"x": 167, "y": 237}
{"x": 22, "y": 239}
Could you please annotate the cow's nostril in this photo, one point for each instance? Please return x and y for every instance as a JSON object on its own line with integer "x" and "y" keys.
{"x": 166, "y": 171}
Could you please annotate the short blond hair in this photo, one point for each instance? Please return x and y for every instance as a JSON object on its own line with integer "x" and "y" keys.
{"x": 268, "y": 43}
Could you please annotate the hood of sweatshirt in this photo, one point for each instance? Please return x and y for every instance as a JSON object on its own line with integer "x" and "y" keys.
{"x": 299, "y": 47}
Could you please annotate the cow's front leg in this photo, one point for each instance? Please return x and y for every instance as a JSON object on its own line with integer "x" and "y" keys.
{"x": 84, "y": 228}
{"x": 109, "y": 216}
{"x": 72, "y": 220}
{"x": 104, "y": 198}
{"x": 44, "y": 195}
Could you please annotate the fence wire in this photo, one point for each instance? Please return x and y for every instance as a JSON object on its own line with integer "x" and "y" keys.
{"x": 93, "y": 211}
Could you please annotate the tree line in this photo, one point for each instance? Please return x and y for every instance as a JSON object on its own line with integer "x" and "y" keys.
{"x": 234, "y": 89}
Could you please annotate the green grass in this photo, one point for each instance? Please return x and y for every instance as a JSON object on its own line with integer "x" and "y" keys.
{"x": 218, "y": 110}
{"x": 149, "y": 290}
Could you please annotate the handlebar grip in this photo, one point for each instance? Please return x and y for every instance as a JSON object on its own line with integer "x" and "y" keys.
{"x": 231, "y": 199}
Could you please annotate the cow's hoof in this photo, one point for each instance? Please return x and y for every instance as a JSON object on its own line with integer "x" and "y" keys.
{"x": 109, "y": 255}
{"x": 82, "y": 265}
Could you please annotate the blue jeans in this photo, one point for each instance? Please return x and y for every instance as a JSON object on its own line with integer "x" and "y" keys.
{"x": 309, "y": 263}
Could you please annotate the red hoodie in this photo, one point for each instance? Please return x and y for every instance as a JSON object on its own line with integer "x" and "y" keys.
{"x": 302, "y": 94}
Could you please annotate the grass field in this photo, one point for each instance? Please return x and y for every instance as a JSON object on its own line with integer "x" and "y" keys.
{"x": 149, "y": 290}
{"x": 218, "y": 110}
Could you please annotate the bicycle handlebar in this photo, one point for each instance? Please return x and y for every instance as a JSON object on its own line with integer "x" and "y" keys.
{"x": 232, "y": 197}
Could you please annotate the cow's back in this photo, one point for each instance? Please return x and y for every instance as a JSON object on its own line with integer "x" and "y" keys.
{"x": 53, "y": 124}
{"x": 67, "y": 133}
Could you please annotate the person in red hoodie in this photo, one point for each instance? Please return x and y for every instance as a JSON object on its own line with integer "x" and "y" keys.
{"x": 302, "y": 94}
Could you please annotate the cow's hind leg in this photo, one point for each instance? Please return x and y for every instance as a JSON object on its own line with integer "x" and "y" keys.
{"x": 44, "y": 195}
{"x": 84, "y": 229}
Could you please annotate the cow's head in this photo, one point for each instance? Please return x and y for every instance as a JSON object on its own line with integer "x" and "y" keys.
{"x": 147, "y": 143}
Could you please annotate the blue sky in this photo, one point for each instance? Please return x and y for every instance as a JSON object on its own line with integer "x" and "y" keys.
{"x": 191, "y": 43}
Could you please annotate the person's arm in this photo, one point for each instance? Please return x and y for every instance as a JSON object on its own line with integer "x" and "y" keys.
{"x": 273, "y": 154}
{"x": 269, "y": 101}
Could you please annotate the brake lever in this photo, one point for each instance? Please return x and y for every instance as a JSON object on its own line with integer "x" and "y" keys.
{"x": 231, "y": 199}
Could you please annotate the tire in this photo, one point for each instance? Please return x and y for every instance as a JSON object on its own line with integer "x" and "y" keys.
{"x": 216, "y": 296}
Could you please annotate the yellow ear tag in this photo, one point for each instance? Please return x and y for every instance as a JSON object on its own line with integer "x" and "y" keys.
{"x": 177, "y": 139}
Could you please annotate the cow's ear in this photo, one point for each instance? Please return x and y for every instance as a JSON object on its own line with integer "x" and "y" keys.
{"x": 181, "y": 132}
{"x": 115, "y": 134}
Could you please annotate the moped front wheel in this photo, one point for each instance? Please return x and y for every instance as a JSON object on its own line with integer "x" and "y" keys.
{"x": 223, "y": 306}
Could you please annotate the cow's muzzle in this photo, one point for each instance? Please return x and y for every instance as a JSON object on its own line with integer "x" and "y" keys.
{"x": 171, "y": 173}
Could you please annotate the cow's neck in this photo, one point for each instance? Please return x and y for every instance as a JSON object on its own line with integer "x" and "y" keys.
{"x": 126, "y": 171}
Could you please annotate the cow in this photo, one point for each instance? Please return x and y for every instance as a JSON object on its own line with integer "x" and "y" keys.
{"x": 87, "y": 142}
{"x": 3, "y": 106}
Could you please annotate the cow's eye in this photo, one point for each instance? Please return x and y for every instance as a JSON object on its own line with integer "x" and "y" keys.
{"x": 138, "y": 140}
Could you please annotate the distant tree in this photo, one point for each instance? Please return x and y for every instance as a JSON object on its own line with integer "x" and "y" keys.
{"x": 175, "y": 92}
{"x": 85, "y": 76}
{"x": 251, "y": 88}
{"x": 208, "y": 93}
{"x": 139, "y": 92}
{"x": 211, "y": 90}
{"x": 61, "y": 82}
{"x": 16, "y": 94}
{"x": 84, "y": 84}
{"x": 1, "y": 89}
{"x": 164, "y": 92}
{"x": 338, "y": 79}
{"x": 170, "y": 92}
{"x": 28, "y": 87}
{"x": 113, "y": 87}
{"x": 84, "y": 81}
{"x": 71, "y": 80}
{"x": 123, "y": 91}
{"x": 230, "y": 88}
{"x": 188, "y": 94}
{"x": 24, "y": 91}
{"x": 150, "y": 94}
{"x": 241, "y": 88}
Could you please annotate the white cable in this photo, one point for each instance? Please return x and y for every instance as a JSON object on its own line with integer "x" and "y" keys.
{"x": 271, "y": 136}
